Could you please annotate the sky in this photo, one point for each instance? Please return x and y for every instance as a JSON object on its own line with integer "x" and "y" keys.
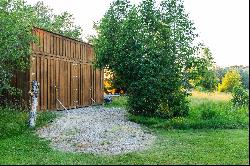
{"x": 223, "y": 25}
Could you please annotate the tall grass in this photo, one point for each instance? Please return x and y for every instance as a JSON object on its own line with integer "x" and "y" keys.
{"x": 207, "y": 111}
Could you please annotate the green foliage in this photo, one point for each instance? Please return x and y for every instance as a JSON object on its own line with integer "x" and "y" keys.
{"x": 205, "y": 113}
{"x": 15, "y": 38}
{"x": 240, "y": 96}
{"x": 150, "y": 50}
{"x": 243, "y": 70}
{"x": 244, "y": 73}
{"x": 15, "y": 122}
{"x": 208, "y": 115}
{"x": 208, "y": 112}
{"x": 63, "y": 23}
{"x": 207, "y": 80}
{"x": 231, "y": 79}
{"x": 16, "y": 23}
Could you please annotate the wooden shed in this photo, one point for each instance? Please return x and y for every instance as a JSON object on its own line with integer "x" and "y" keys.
{"x": 63, "y": 67}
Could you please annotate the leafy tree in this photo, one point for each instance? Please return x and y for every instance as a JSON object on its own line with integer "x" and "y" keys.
{"x": 245, "y": 77}
{"x": 150, "y": 50}
{"x": 231, "y": 79}
{"x": 243, "y": 70}
{"x": 62, "y": 23}
{"x": 207, "y": 79}
{"x": 244, "y": 73}
{"x": 220, "y": 72}
{"x": 15, "y": 38}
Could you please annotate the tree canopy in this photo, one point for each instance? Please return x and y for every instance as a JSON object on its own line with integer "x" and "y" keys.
{"x": 151, "y": 50}
{"x": 231, "y": 79}
{"x": 206, "y": 79}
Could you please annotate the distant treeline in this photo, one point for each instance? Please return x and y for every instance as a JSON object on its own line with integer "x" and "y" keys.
{"x": 243, "y": 70}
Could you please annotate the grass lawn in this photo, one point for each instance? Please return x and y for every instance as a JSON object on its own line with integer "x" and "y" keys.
{"x": 209, "y": 144}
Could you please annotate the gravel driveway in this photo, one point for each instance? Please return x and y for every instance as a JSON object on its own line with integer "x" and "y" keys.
{"x": 96, "y": 130}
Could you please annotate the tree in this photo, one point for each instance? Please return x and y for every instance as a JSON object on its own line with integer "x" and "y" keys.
{"x": 245, "y": 77}
{"x": 15, "y": 38}
{"x": 243, "y": 70}
{"x": 62, "y": 23}
{"x": 220, "y": 73}
{"x": 231, "y": 79}
{"x": 207, "y": 79}
{"x": 150, "y": 50}
{"x": 244, "y": 73}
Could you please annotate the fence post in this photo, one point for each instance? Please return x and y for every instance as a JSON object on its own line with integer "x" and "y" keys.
{"x": 34, "y": 103}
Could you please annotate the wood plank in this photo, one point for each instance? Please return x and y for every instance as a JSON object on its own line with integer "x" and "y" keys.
{"x": 51, "y": 44}
{"x": 57, "y": 46}
{"x": 61, "y": 46}
{"x": 48, "y": 43}
{"x": 81, "y": 86}
{"x": 57, "y": 83}
{"x": 38, "y": 70}
{"x": 69, "y": 84}
{"x": 49, "y": 85}
{"x": 53, "y": 79}
{"x": 78, "y": 85}
{"x": 72, "y": 50}
{"x": 42, "y": 83}
{"x": 53, "y": 51}
{"x": 64, "y": 47}
{"x": 45, "y": 84}
{"x": 60, "y": 80}
{"x": 45, "y": 42}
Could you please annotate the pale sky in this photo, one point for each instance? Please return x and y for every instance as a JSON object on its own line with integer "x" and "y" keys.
{"x": 223, "y": 25}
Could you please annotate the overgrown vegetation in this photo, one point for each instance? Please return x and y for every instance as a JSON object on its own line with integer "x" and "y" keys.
{"x": 207, "y": 111}
{"x": 16, "y": 23}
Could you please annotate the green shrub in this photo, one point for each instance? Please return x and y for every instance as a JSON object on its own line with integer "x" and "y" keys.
{"x": 240, "y": 96}
{"x": 207, "y": 115}
{"x": 231, "y": 79}
{"x": 208, "y": 112}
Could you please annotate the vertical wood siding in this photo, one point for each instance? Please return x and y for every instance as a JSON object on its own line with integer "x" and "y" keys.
{"x": 63, "y": 67}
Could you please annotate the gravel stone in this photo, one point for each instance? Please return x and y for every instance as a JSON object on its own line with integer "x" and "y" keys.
{"x": 96, "y": 130}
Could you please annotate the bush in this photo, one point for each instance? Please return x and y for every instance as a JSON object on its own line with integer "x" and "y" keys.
{"x": 240, "y": 96}
{"x": 231, "y": 79}
{"x": 208, "y": 112}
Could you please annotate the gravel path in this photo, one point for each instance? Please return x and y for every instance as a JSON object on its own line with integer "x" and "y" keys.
{"x": 96, "y": 130}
